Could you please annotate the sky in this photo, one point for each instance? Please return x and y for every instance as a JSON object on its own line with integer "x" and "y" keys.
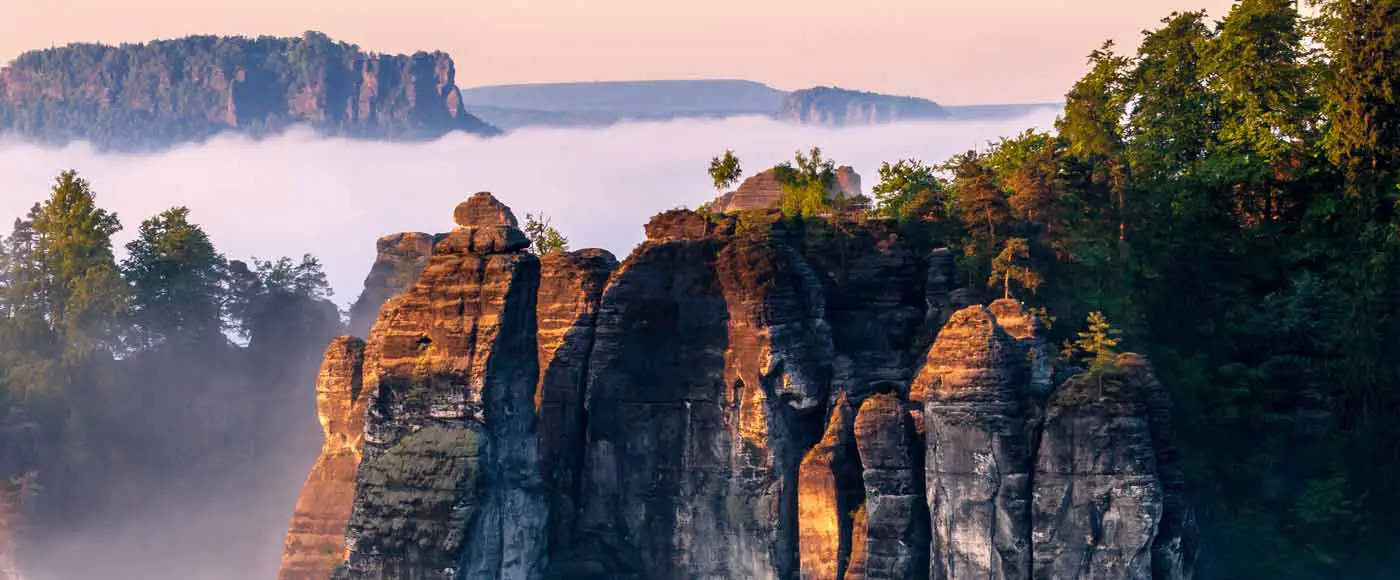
{"x": 955, "y": 52}
{"x": 333, "y": 198}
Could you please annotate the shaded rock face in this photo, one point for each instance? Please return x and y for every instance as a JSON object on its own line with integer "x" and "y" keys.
{"x": 839, "y": 107}
{"x": 399, "y": 258}
{"x": 1108, "y": 498}
{"x": 734, "y": 404}
{"x": 571, "y": 289}
{"x": 764, "y": 190}
{"x": 316, "y": 540}
{"x": 449, "y": 484}
{"x": 167, "y": 92}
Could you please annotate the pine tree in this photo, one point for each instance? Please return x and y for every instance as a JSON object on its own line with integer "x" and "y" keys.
{"x": 1013, "y": 265}
{"x": 176, "y": 277}
{"x": 725, "y": 171}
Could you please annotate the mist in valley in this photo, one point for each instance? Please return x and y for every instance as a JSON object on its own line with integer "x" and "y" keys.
{"x": 333, "y": 198}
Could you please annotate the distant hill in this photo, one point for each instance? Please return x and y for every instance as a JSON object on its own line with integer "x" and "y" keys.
{"x": 841, "y": 107}
{"x": 606, "y": 103}
{"x": 160, "y": 93}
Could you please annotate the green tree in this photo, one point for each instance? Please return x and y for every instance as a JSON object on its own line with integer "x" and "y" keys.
{"x": 1363, "y": 95}
{"x": 908, "y": 189}
{"x": 176, "y": 277}
{"x": 1099, "y": 342}
{"x": 980, "y": 199}
{"x": 806, "y": 184}
{"x": 544, "y": 238}
{"x": 1091, "y": 124}
{"x": 725, "y": 171}
{"x": 80, "y": 287}
{"x": 1256, "y": 68}
{"x": 1013, "y": 265}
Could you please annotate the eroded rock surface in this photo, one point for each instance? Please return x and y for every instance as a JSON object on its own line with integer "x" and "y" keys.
{"x": 571, "y": 288}
{"x": 1108, "y": 501}
{"x": 761, "y": 400}
{"x": 316, "y": 540}
{"x": 978, "y": 463}
{"x": 449, "y": 485}
{"x": 399, "y": 258}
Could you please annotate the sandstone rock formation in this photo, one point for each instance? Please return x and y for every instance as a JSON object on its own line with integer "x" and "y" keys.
{"x": 978, "y": 463}
{"x": 764, "y": 190}
{"x": 760, "y": 402}
{"x": 449, "y": 484}
{"x": 1108, "y": 498}
{"x": 571, "y": 288}
{"x": 399, "y": 258}
{"x": 166, "y": 92}
{"x": 316, "y": 541}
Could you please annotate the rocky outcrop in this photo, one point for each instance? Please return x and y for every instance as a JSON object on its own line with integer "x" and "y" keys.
{"x": 167, "y": 92}
{"x": 316, "y": 540}
{"x": 764, "y": 190}
{"x": 571, "y": 289}
{"x": 840, "y": 107}
{"x": 449, "y": 484}
{"x": 896, "y": 517}
{"x": 399, "y": 258}
{"x": 1108, "y": 497}
{"x": 979, "y": 450}
{"x": 766, "y": 401}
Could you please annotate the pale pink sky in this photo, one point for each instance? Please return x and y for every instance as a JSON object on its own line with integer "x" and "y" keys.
{"x": 956, "y": 52}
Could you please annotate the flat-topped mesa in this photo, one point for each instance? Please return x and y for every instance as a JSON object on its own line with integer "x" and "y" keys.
{"x": 483, "y": 209}
{"x": 316, "y": 539}
{"x": 449, "y": 484}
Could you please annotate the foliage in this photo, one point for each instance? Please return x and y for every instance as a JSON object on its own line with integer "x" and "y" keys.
{"x": 805, "y": 184}
{"x": 176, "y": 274}
{"x": 725, "y": 171}
{"x": 1013, "y": 265}
{"x": 910, "y": 190}
{"x": 544, "y": 238}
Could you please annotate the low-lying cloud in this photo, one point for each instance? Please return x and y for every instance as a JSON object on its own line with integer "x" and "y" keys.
{"x": 332, "y": 198}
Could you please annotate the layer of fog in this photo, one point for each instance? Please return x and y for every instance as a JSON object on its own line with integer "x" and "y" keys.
{"x": 333, "y": 198}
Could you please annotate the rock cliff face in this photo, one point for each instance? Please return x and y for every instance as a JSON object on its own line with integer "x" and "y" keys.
{"x": 316, "y": 540}
{"x": 398, "y": 261}
{"x": 166, "y": 92}
{"x": 804, "y": 402}
{"x": 841, "y": 107}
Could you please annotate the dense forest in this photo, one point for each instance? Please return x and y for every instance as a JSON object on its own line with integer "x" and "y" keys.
{"x": 1226, "y": 198}
{"x": 146, "y": 386}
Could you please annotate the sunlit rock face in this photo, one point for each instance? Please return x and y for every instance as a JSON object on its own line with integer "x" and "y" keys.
{"x": 449, "y": 484}
{"x": 777, "y": 399}
{"x": 398, "y": 260}
{"x": 1108, "y": 499}
{"x": 316, "y": 540}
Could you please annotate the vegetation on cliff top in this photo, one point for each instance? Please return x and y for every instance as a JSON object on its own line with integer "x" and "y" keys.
{"x": 1228, "y": 195}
